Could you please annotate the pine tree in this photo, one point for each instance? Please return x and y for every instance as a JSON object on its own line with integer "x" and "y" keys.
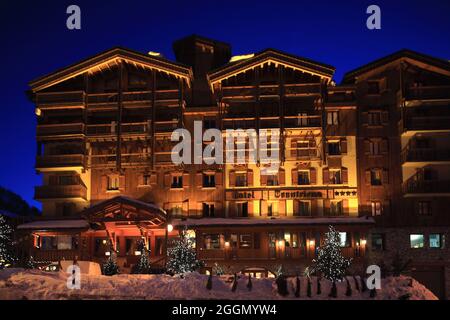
{"x": 6, "y": 245}
{"x": 110, "y": 267}
{"x": 181, "y": 255}
{"x": 330, "y": 261}
{"x": 143, "y": 266}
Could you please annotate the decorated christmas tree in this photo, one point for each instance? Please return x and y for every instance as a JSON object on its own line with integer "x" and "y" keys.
{"x": 110, "y": 267}
{"x": 143, "y": 265}
{"x": 6, "y": 246}
{"x": 330, "y": 261}
{"x": 181, "y": 255}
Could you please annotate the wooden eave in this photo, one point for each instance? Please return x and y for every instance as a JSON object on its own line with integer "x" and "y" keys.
{"x": 271, "y": 56}
{"x": 109, "y": 57}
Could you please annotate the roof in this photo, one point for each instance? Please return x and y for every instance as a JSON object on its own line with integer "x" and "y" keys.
{"x": 54, "y": 224}
{"x": 401, "y": 54}
{"x": 9, "y": 214}
{"x": 272, "y": 56}
{"x": 228, "y": 222}
{"x": 155, "y": 62}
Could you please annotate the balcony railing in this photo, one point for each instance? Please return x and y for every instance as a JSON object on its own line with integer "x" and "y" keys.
{"x": 338, "y": 96}
{"x": 61, "y": 191}
{"x": 60, "y": 129}
{"x": 302, "y": 122}
{"x": 67, "y": 160}
{"x": 54, "y": 255}
{"x": 426, "y": 186}
{"x": 427, "y": 123}
{"x": 428, "y": 93}
{"x": 60, "y": 99}
{"x": 422, "y": 155}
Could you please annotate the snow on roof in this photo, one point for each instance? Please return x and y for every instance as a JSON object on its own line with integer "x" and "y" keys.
{"x": 205, "y": 222}
{"x": 55, "y": 224}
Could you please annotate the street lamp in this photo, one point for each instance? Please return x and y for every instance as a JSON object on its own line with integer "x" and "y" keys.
{"x": 169, "y": 228}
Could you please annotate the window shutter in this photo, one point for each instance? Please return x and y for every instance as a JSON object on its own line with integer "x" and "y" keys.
{"x": 250, "y": 208}
{"x": 384, "y": 146}
{"x": 219, "y": 178}
{"x": 263, "y": 180}
{"x": 365, "y": 118}
{"x": 326, "y": 176}
{"x": 282, "y": 208}
{"x": 368, "y": 180}
{"x": 385, "y": 176}
{"x": 294, "y": 175}
{"x": 344, "y": 146}
{"x": 344, "y": 175}
{"x": 366, "y": 146}
{"x": 199, "y": 179}
{"x": 167, "y": 180}
{"x": 186, "y": 179}
{"x": 385, "y": 117}
{"x": 154, "y": 178}
{"x": 326, "y": 207}
{"x": 104, "y": 182}
{"x": 232, "y": 175}
{"x": 294, "y": 148}
{"x": 312, "y": 175}
{"x": 264, "y": 207}
{"x": 345, "y": 207}
{"x": 122, "y": 182}
{"x": 281, "y": 177}
{"x": 250, "y": 177}
{"x": 296, "y": 207}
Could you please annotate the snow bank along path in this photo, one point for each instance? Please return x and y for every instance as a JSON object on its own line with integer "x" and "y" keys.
{"x": 35, "y": 284}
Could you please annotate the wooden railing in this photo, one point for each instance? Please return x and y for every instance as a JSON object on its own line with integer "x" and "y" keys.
{"x": 302, "y": 121}
{"x": 435, "y": 122}
{"x": 414, "y": 185}
{"x": 60, "y": 129}
{"x": 60, "y": 191}
{"x": 428, "y": 93}
{"x": 41, "y": 255}
{"x": 66, "y": 160}
{"x": 60, "y": 99}
{"x": 420, "y": 155}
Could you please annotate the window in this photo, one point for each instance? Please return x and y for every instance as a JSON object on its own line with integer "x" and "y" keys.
{"x": 336, "y": 208}
{"x": 209, "y": 180}
{"x": 333, "y": 118}
{"x": 272, "y": 180}
{"x": 374, "y": 147}
{"x": 133, "y": 244}
{"x": 335, "y": 177}
{"x": 209, "y": 124}
{"x": 212, "y": 241}
{"x": 146, "y": 180}
{"x": 302, "y": 120}
{"x": 306, "y": 148}
{"x": 304, "y": 208}
{"x": 416, "y": 241}
{"x": 345, "y": 240}
{"x": 376, "y": 177}
{"x": 373, "y": 87}
{"x": 303, "y": 177}
{"x": 208, "y": 209}
{"x": 374, "y": 118}
{"x": 241, "y": 179}
{"x": 377, "y": 241}
{"x": 437, "y": 240}
{"x": 113, "y": 182}
{"x": 242, "y": 209}
{"x": 61, "y": 242}
{"x": 424, "y": 208}
{"x": 245, "y": 241}
{"x": 67, "y": 209}
{"x": 177, "y": 182}
{"x": 377, "y": 208}
{"x": 334, "y": 148}
{"x": 272, "y": 209}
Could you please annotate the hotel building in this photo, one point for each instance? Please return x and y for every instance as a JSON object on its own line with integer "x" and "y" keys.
{"x": 368, "y": 156}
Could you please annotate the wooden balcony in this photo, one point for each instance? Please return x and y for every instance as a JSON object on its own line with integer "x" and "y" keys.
{"x": 60, "y": 192}
{"x": 299, "y": 122}
{"x": 59, "y": 161}
{"x": 427, "y": 123}
{"x": 135, "y": 159}
{"x": 414, "y": 186}
{"x": 60, "y": 129}
{"x": 166, "y": 126}
{"x": 60, "y": 100}
{"x": 428, "y": 93}
{"x": 341, "y": 96}
{"x": 54, "y": 255}
{"x": 425, "y": 155}
{"x": 135, "y": 128}
{"x": 103, "y": 160}
{"x": 307, "y": 89}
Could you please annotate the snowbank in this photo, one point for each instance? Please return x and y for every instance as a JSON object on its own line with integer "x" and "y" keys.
{"x": 34, "y": 284}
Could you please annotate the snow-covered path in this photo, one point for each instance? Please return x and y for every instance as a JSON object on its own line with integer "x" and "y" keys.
{"x": 34, "y": 284}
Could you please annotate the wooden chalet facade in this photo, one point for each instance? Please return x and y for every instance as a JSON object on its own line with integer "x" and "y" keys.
{"x": 104, "y": 151}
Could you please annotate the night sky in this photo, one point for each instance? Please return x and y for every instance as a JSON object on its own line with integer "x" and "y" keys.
{"x": 35, "y": 41}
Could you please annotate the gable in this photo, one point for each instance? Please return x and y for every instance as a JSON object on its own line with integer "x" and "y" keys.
{"x": 111, "y": 58}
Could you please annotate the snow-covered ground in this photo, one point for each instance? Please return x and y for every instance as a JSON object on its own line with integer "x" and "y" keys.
{"x": 34, "y": 284}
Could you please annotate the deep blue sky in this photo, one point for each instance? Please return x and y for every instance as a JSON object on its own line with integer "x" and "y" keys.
{"x": 35, "y": 41}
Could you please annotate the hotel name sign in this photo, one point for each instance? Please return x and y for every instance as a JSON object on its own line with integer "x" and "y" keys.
{"x": 292, "y": 194}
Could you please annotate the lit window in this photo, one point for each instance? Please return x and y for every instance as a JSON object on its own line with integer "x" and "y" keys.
{"x": 335, "y": 177}
{"x": 345, "y": 239}
{"x": 245, "y": 241}
{"x": 377, "y": 208}
{"x": 333, "y": 118}
{"x": 212, "y": 241}
{"x": 377, "y": 241}
{"x": 336, "y": 208}
{"x": 437, "y": 240}
{"x": 376, "y": 177}
{"x": 416, "y": 241}
{"x": 113, "y": 182}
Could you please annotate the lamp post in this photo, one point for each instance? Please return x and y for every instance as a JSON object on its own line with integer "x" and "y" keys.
{"x": 167, "y": 230}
